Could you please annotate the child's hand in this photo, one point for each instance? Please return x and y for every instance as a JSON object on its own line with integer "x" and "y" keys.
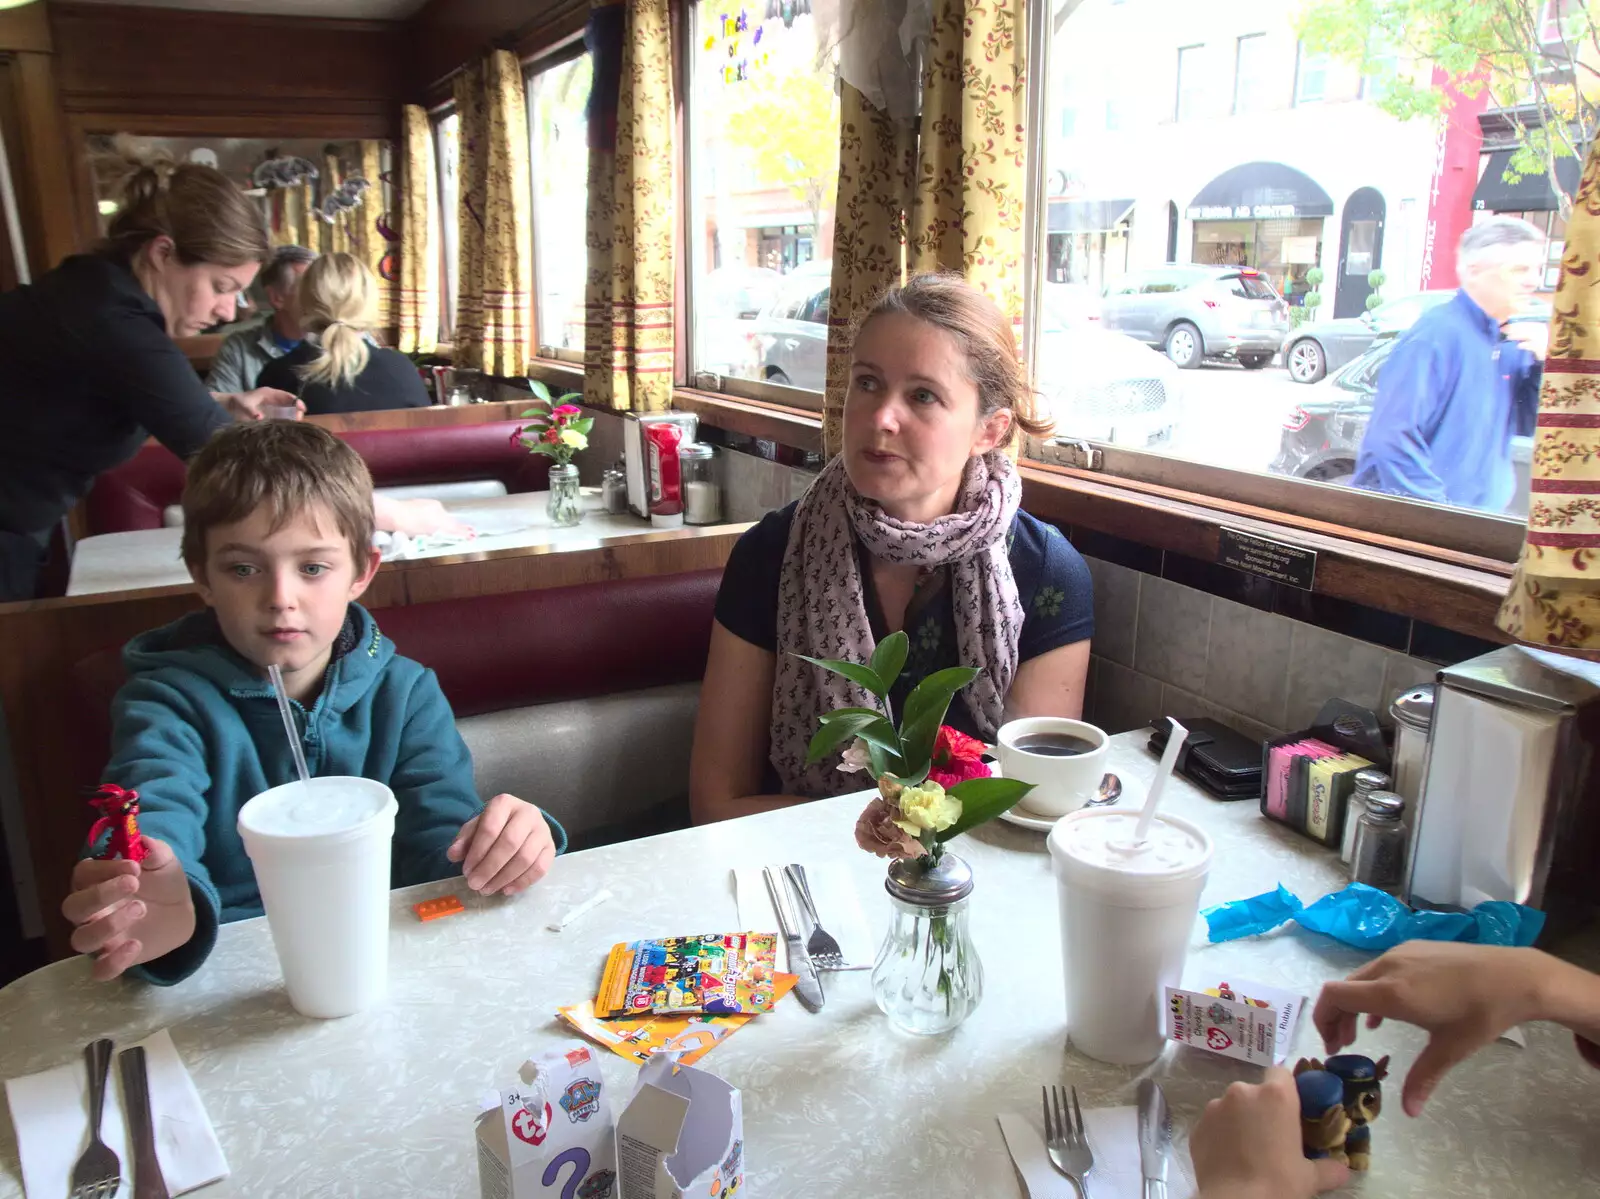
{"x": 126, "y": 913}
{"x": 506, "y": 848}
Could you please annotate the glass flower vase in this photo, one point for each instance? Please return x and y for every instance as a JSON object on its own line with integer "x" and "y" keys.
{"x": 563, "y": 500}
{"x": 927, "y": 978}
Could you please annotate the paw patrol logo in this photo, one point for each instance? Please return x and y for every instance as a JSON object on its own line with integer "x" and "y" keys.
{"x": 581, "y": 1100}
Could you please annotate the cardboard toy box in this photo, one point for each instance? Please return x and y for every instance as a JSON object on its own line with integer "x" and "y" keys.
{"x": 552, "y": 1137}
{"x": 681, "y": 1134}
{"x": 1248, "y": 1021}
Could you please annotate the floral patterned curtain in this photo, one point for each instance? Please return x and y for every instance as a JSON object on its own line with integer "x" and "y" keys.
{"x": 494, "y": 292}
{"x": 1555, "y": 595}
{"x": 628, "y": 299}
{"x": 333, "y": 238}
{"x": 946, "y": 195}
{"x": 417, "y": 290}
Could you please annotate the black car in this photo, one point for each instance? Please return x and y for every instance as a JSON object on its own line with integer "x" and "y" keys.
{"x": 1322, "y": 436}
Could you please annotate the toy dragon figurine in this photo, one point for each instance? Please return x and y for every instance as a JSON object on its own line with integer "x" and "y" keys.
{"x": 119, "y": 813}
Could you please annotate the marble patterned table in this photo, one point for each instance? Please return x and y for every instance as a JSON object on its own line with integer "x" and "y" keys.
{"x": 150, "y": 558}
{"x": 835, "y": 1103}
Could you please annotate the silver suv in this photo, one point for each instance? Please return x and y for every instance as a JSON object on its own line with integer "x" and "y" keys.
{"x": 1200, "y": 312}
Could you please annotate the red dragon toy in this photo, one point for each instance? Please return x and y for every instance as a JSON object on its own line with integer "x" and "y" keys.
{"x": 120, "y": 813}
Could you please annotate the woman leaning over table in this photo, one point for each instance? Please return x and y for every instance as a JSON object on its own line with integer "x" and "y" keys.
{"x": 914, "y": 526}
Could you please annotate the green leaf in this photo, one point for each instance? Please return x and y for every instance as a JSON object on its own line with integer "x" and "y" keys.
{"x": 862, "y": 676}
{"x": 830, "y": 717}
{"x": 935, "y": 692}
{"x": 982, "y": 800}
{"x": 882, "y": 761}
{"x": 583, "y": 425}
{"x": 890, "y": 657}
{"x": 540, "y": 389}
{"x": 541, "y": 414}
{"x": 917, "y": 740}
{"x": 835, "y": 733}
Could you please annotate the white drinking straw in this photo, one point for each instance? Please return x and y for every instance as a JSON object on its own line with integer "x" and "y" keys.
{"x": 289, "y": 728}
{"x": 588, "y": 905}
{"x": 1169, "y": 759}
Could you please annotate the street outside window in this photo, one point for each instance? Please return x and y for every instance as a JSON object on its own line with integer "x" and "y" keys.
{"x": 558, "y": 98}
{"x": 447, "y": 136}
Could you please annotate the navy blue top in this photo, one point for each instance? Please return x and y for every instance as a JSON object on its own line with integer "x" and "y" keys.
{"x": 1452, "y": 395}
{"x": 1053, "y": 584}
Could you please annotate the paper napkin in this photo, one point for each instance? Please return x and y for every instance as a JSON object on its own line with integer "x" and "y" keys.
{"x": 50, "y": 1112}
{"x": 1113, "y": 1135}
{"x": 837, "y": 907}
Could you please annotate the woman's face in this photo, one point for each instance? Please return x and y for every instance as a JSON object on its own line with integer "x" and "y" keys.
{"x": 911, "y": 418}
{"x": 192, "y": 298}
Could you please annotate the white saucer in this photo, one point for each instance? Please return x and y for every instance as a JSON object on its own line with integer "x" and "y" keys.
{"x": 1039, "y": 824}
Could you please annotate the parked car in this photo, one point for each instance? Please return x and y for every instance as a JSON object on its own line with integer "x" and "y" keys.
{"x": 726, "y": 302}
{"x": 1102, "y": 386}
{"x": 1200, "y": 312}
{"x": 1318, "y": 347}
{"x": 1322, "y": 435}
{"x": 789, "y": 337}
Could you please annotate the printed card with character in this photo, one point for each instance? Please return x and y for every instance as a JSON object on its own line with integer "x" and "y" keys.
{"x": 1240, "y": 1019}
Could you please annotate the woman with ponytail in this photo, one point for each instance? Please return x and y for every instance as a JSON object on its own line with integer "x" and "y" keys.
{"x": 91, "y": 368}
{"x": 337, "y": 368}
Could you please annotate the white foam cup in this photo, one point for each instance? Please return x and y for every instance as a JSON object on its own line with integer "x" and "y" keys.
{"x": 1061, "y": 783}
{"x": 1127, "y": 916}
{"x": 320, "y": 851}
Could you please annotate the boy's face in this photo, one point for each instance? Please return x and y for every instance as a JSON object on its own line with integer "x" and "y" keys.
{"x": 280, "y": 596}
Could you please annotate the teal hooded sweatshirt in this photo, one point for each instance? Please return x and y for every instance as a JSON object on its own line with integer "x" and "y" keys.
{"x": 196, "y": 732}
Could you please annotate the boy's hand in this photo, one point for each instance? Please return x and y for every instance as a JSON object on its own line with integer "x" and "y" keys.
{"x": 505, "y": 848}
{"x": 1247, "y": 1145}
{"x": 126, "y": 913}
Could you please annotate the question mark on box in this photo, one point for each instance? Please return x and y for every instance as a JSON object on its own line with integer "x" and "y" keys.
{"x": 579, "y": 1158}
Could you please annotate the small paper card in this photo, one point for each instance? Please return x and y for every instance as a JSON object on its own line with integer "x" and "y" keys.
{"x": 1248, "y": 1021}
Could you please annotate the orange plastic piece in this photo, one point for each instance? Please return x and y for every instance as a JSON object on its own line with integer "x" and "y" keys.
{"x": 433, "y": 909}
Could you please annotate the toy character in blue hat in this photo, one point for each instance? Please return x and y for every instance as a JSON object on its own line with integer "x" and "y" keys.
{"x": 1363, "y": 1100}
{"x": 1323, "y": 1122}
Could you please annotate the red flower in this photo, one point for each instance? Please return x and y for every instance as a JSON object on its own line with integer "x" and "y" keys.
{"x": 567, "y": 410}
{"x": 552, "y": 435}
{"x": 957, "y": 758}
{"x": 516, "y": 438}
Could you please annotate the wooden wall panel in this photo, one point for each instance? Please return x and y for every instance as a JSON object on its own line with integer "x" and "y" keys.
{"x": 446, "y": 34}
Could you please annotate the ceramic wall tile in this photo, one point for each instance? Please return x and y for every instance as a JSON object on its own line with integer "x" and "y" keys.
{"x": 1323, "y": 666}
{"x": 1172, "y": 633}
{"x": 1178, "y": 703}
{"x": 1247, "y": 663}
{"x": 1116, "y": 609}
{"x": 1124, "y": 699}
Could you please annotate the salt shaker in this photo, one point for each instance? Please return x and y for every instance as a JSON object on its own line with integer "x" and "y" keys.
{"x": 1379, "y": 858}
{"x": 614, "y": 490}
{"x": 702, "y": 499}
{"x": 1366, "y": 782}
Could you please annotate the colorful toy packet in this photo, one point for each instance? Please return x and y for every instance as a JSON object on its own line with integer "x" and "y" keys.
{"x": 637, "y": 1038}
{"x": 719, "y": 974}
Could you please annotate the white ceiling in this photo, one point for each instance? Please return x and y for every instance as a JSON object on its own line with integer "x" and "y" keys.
{"x": 381, "y": 10}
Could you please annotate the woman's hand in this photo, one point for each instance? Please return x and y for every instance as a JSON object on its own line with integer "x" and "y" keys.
{"x": 416, "y": 518}
{"x": 247, "y": 405}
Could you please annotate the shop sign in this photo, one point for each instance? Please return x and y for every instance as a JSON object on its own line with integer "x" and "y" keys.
{"x": 1243, "y": 212}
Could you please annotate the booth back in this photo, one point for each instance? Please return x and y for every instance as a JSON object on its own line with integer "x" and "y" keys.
{"x": 136, "y": 494}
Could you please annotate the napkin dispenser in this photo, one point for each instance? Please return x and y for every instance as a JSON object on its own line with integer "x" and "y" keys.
{"x": 635, "y": 458}
{"x": 1510, "y": 800}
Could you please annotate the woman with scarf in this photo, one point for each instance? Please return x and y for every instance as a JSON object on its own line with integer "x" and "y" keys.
{"x": 914, "y": 526}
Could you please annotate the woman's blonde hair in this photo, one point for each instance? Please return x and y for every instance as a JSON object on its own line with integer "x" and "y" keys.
{"x": 338, "y": 299}
{"x": 947, "y": 301}
{"x": 204, "y": 213}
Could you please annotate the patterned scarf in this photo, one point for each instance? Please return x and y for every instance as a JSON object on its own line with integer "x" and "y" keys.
{"x": 822, "y": 607}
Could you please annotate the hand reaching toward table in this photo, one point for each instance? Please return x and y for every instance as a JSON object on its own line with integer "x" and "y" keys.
{"x": 1465, "y": 996}
{"x": 126, "y": 913}
{"x": 1247, "y": 1145}
{"x": 505, "y": 848}
{"x": 417, "y": 518}
{"x": 247, "y": 405}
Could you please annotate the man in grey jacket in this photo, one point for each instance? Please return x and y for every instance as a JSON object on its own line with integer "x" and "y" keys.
{"x": 249, "y": 348}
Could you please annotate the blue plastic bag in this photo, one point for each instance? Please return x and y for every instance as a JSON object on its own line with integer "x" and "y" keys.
{"x": 1370, "y": 919}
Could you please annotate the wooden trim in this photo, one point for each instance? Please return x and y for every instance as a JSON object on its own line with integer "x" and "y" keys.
{"x": 347, "y": 120}
{"x": 54, "y": 184}
{"x": 26, "y": 28}
{"x": 753, "y": 418}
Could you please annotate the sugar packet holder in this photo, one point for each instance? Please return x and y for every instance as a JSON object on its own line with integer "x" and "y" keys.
{"x": 1247, "y": 1021}
{"x": 1315, "y": 804}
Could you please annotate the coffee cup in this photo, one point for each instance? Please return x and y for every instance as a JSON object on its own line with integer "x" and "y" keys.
{"x": 321, "y": 855}
{"x": 1064, "y": 759}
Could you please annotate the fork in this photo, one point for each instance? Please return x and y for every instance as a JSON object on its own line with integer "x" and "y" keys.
{"x": 1068, "y": 1146}
{"x": 98, "y": 1173}
{"x": 824, "y": 950}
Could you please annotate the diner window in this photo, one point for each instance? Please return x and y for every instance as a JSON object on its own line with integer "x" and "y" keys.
{"x": 763, "y": 165}
{"x": 447, "y": 135}
{"x": 1250, "y": 73}
{"x": 558, "y": 135}
{"x": 1196, "y": 293}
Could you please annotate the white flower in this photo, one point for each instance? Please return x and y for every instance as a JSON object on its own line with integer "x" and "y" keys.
{"x": 856, "y": 757}
{"x": 574, "y": 438}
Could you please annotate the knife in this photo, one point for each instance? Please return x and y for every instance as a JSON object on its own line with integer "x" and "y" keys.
{"x": 147, "y": 1180}
{"x": 809, "y": 988}
{"x": 1155, "y": 1138}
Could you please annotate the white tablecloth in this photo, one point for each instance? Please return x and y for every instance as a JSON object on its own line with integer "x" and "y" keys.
{"x": 835, "y": 1103}
{"x": 150, "y": 557}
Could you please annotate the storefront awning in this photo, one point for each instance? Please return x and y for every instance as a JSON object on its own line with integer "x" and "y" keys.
{"x": 1088, "y": 216}
{"x": 1531, "y": 193}
{"x": 1260, "y": 191}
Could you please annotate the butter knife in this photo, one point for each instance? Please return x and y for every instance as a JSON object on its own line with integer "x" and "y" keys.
{"x": 809, "y": 988}
{"x": 1155, "y": 1138}
{"x": 147, "y": 1180}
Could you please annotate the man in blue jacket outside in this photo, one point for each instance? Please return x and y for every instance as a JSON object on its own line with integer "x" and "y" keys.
{"x": 1455, "y": 390}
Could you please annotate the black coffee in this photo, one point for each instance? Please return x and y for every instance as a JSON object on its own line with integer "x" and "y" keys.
{"x": 1055, "y": 745}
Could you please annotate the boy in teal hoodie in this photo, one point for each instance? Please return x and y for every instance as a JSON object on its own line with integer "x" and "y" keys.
{"x": 278, "y": 538}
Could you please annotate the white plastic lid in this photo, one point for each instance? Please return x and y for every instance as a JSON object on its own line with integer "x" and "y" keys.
{"x": 1095, "y": 849}
{"x": 669, "y": 520}
{"x": 326, "y": 810}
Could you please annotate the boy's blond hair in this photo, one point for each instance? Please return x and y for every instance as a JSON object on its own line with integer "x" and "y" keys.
{"x": 289, "y": 466}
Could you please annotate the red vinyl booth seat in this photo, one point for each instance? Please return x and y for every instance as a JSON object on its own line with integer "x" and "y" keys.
{"x": 137, "y": 493}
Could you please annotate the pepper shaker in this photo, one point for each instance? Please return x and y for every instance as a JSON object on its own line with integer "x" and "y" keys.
{"x": 1379, "y": 858}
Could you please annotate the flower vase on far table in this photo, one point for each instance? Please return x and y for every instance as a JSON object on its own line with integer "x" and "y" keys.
{"x": 927, "y": 978}
{"x": 563, "y": 503}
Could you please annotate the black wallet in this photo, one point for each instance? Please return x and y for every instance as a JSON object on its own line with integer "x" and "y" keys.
{"x": 1226, "y": 763}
